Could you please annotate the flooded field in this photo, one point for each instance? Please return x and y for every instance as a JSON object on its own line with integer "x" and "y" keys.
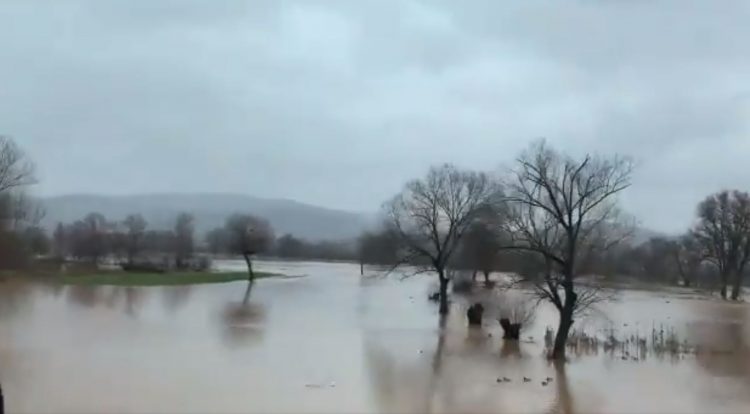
{"x": 333, "y": 342}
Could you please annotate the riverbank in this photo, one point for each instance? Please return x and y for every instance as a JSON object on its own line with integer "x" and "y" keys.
{"x": 120, "y": 278}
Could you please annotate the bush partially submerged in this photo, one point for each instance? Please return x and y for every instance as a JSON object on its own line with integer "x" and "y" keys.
{"x": 515, "y": 312}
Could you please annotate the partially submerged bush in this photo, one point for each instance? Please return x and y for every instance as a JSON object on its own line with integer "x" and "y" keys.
{"x": 515, "y": 312}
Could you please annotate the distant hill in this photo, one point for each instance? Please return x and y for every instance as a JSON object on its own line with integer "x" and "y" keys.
{"x": 210, "y": 211}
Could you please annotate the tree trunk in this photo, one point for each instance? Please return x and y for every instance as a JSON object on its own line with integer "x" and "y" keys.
{"x": 737, "y": 286}
{"x": 443, "y": 293}
{"x": 724, "y": 278}
{"x": 250, "y": 273}
{"x": 561, "y": 338}
{"x": 566, "y": 322}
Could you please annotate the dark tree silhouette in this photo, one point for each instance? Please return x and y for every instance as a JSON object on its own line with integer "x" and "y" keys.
{"x": 247, "y": 236}
{"x": 183, "y": 239}
{"x": 723, "y": 232}
{"x": 689, "y": 259}
{"x": 135, "y": 225}
{"x": 16, "y": 170}
{"x": 560, "y": 208}
{"x": 431, "y": 216}
{"x": 88, "y": 237}
{"x": 480, "y": 248}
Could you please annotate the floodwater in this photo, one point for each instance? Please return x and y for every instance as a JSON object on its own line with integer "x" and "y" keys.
{"x": 333, "y": 342}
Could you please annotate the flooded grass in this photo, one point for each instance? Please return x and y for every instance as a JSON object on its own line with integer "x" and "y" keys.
{"x": 119, "y": 278}
{"x": 662, "y": 341}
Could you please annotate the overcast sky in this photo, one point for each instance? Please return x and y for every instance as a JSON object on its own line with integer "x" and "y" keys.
{"x": 337, "y": 103}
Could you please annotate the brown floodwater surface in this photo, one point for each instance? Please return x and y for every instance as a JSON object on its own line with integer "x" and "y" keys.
{"x": 333, "y": 342}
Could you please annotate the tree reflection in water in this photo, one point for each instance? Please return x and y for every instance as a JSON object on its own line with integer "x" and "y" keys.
{"x": 724, "y": 342}
{"x": 243, "y": 321}
{"x": 458, "y": 373}
{"x": 127, "y": 298}
{"x": 563, "y": 403}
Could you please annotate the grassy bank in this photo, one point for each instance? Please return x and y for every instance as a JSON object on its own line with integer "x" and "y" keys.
{"x": 119, "y": 278}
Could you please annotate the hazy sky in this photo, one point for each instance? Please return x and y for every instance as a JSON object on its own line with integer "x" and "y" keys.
{"x": 337, "y": 103}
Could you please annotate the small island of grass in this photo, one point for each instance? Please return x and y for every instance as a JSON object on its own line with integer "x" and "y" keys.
{"x": 121, "y": 278}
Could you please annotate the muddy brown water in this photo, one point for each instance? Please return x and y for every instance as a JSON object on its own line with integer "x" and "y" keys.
{"x": 333, "y": 342}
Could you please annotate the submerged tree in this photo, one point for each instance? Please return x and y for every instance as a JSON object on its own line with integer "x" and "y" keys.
{"x": 723, "y": 232}
{"x": 248, "y": 235}
{"x": 431, "y": 216}
{"x": 562, "y": 209}
{"x": 515, "y": 312}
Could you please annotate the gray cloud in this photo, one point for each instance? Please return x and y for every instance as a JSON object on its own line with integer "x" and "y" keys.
{"x": 338, "y": 102}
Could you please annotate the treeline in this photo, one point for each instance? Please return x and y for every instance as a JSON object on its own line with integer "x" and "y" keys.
{"x": 462, "y": 219}
{"x": 713, "y": 252}
{"x": 693, "y": 259}
{"x": 94, "y": 238}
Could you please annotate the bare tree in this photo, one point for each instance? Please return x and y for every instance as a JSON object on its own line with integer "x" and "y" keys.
{"x": 35, "y": 240}
{"x": 16, "y": 170}
{"x": 248, "y": 235}
{"x": 135, "y": 226}
{"x": 19, "y": 211}
{"x": 723, "y": 232}
{"x": 560, "y": 208}
{"x": 183, "y": 239}
{"x": 431, "y": 216}
{"x": 19, "y": 230}
{"x": 689, "y": 258}
{"x": 480, "y": 248}
{"x": 88, "y": 237}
